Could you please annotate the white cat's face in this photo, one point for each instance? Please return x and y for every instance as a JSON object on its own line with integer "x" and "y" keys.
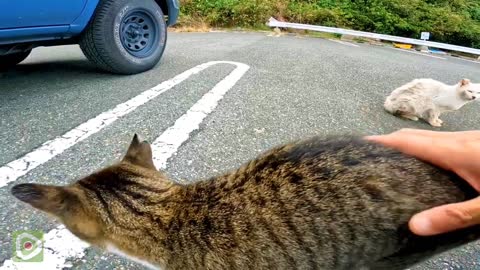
{"x": 475, "y": 91}
{"x": 469, "y": 91}
{"x": 470, "y": 95}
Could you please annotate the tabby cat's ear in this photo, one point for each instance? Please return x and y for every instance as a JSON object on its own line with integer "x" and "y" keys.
{"x": 464, "y": 82}
{"x": 51, "y": 199}
{"x": 140, "y": 153}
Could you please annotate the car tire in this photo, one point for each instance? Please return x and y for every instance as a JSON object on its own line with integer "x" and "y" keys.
{"x": 10, "y": 60}
{"x": 125, "y": 36}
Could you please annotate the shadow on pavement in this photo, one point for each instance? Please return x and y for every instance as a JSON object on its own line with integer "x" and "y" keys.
{"x": 67, "y": 67}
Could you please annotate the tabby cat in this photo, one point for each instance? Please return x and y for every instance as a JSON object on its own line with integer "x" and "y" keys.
{"x": 333, "y": 203}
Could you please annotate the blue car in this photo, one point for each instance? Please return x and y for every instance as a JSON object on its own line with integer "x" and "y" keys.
{"x": 118, "y": 36}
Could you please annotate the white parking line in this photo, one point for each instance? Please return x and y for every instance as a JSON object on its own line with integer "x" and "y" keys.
{"x": 172, "y": 138}
{"x": 60, "y": 245}
{"x": 344, "y": 43}
{"x": 471, "y": 61}
{"x": 424, "y": 54}
{"x": 17, "y": 168}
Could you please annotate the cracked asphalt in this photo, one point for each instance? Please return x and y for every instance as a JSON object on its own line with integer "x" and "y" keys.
{"x": 296, "y": 87}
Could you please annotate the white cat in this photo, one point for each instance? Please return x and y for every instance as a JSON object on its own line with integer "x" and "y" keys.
{"x": 428, "y": 98}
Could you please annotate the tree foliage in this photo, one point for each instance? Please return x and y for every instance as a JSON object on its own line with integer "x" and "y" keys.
{"x": 451, "y": 21}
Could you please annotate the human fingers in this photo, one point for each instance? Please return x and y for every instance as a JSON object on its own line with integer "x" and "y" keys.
{"x": 469, "y": 134}
{"x": 471, "y": 176}
{"x": 446, "y": 218}
{"x": 431, "y": 149}
{"x": 422, "y": 132}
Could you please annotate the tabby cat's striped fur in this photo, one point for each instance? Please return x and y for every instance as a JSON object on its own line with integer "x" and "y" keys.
{"x": 316, "y": 204}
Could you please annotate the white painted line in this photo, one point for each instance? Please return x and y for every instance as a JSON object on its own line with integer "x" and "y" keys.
{"x": 61, "y": 246}
{"x": 344, "y": 43}
{"x": 169, "y": 142}
{"x": 424, "y": 54}
{"x": 17, "y": 168}
{"x": 471, "y": 61}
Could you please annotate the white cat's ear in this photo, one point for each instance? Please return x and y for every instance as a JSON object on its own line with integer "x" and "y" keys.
{"x": 464, "y": 82}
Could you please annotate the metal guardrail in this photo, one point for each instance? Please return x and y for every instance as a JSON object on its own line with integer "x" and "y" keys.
{"x": 274, "y": 23}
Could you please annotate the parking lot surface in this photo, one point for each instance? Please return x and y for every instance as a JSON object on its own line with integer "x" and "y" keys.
{"x": 289, "y": 88}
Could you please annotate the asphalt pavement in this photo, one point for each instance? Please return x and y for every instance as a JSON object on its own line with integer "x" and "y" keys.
{"x": 296, "y": 87}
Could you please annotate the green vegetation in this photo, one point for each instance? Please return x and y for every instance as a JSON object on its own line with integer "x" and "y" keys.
{"x": 450, "y": 21}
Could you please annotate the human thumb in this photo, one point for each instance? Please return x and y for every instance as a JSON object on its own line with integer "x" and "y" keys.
{"x": 446, "y": 218}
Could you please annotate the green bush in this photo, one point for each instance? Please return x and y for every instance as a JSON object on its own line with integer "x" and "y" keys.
{"x": 450, "y": 21}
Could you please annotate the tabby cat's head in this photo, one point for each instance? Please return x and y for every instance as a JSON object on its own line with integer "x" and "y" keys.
{"x": 105, "y": 207}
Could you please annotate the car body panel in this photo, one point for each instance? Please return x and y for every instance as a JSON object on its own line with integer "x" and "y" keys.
{"x": 79, "y": 24}
{"x": 53, "y": 19}
{"x": 25, "y": 35}
{"x": 39, "y": 13}
{"x": 173, "y": 11}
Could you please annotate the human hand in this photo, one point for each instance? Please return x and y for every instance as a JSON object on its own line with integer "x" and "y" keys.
{"x": 455, "y": 151}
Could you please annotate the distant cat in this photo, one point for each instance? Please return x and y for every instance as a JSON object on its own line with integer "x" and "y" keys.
{"x": 427, "y": 99}
{"x": 339, "y": 203}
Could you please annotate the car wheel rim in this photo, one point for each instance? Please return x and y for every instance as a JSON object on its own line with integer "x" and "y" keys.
{"x": 139, "y": 33}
